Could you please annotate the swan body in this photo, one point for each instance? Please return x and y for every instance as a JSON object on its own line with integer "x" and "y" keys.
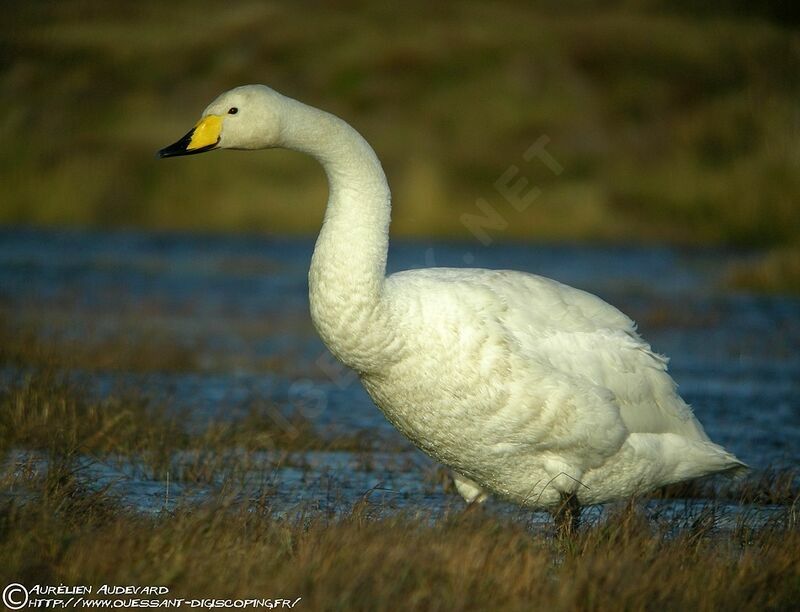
{"x": 525, "y": 388}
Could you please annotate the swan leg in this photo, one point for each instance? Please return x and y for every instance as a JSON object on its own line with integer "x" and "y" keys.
{"x": 469, "y": 490}
{"x": 567, "y": 516}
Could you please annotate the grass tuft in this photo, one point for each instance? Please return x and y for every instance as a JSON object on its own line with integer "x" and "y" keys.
{"x": 61, "y": 533}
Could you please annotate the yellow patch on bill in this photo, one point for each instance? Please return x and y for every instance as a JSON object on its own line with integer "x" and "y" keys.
{"x": 206, "y": 132}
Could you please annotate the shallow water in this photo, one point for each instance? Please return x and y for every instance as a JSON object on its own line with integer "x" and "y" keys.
{"x": 238, "y": 307}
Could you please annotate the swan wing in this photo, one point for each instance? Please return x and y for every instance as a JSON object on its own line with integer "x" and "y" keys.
{"x": 572, "y": 335}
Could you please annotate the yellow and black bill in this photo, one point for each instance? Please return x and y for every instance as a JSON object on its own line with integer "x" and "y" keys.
{"x": 204, "y": 136}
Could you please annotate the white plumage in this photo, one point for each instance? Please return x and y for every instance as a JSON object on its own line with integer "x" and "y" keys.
{"x": 526, "y": 388}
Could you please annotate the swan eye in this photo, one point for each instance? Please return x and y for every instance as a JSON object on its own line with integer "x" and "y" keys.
{"x": 233, "y": 110}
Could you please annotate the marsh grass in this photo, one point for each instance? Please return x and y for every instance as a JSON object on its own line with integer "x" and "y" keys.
{"x": 62, "y": 532}
{"x": 44, "y": 412}
{"x": 57, "y": 526}
{"x": 44, "y": 406}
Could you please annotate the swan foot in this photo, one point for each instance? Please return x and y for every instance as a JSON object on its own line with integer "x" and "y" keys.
{"x": 567, "y": 516}
{"x": 469, "y": 490}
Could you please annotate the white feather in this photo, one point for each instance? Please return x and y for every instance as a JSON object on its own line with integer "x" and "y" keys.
{"x": 524, "y": 387}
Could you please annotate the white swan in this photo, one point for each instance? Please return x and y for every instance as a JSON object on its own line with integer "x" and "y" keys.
{"x": 526, "y": 388}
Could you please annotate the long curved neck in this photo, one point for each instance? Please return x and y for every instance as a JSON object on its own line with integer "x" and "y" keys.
{"x": 348, "y": 267}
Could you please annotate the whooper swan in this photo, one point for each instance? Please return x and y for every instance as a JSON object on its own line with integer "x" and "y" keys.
{"x": 525, "y": 388}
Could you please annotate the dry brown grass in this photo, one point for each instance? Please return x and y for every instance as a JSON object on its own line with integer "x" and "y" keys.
{"x": 58, "y": 528}
{"x": 44, "y": 411}
{"x": 62, "y": 533}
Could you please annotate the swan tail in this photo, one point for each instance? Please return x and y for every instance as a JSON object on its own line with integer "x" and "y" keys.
{"x": 674, "y": 458}
{"x": 711, "y": 459}
{"x": 735, "y": 469}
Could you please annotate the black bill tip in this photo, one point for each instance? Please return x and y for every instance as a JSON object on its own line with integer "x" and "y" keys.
{"x": 181, "y": 147}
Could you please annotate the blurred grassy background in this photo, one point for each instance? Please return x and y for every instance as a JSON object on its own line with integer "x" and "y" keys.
{"x": 673, "y": 123}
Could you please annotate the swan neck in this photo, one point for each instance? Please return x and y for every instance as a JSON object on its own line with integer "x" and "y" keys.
{"x": 348, "y": 268}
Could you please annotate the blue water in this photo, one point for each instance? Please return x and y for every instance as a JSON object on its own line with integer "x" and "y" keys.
{"x": 239, "y": 306}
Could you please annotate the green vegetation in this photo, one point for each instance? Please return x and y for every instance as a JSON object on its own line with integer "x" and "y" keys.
{"x": 671, "y": 124}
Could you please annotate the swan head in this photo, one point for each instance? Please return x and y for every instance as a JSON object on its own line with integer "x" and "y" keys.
{"x": 247, "y": 117}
